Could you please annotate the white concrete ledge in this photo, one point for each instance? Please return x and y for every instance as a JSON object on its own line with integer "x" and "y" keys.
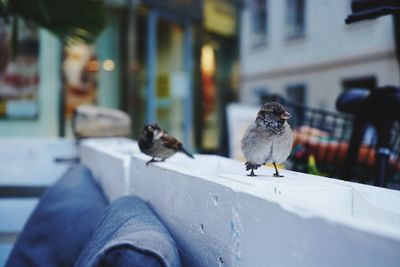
{"x": 109, "y": 161}
{"x": 221, "y": 217}
{"x": 31, "y": 162}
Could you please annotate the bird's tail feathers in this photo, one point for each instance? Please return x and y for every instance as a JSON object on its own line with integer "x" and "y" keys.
{"x": 183, "y": 150}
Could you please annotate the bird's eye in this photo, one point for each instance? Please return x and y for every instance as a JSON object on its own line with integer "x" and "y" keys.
{"x": 278, "y": 112}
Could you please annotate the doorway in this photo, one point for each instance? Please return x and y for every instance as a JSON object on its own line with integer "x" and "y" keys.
{"x": 169, "y": 75}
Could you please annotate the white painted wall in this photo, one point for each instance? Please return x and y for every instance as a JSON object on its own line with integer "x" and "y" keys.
{"x": 323, "y": 86}
{"x": 327, "y": 37}
{"x": 221, "y": 217}
{"x": 329, "y": 52}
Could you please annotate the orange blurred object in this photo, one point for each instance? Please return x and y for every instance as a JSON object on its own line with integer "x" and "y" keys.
{"x": 329, "y": 150}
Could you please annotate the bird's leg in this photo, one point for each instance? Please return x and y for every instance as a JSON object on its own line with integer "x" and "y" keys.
{"x": 252, "y": 172}
{"x": 250, "y": 166}
{"x": 155, "y": 160}
{"x": 276, "y": 174}
{"x": 150, "y": 161}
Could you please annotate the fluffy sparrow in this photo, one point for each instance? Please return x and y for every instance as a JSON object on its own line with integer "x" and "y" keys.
{"x": 158, "y": 144}
{"x": 269, "y": 139}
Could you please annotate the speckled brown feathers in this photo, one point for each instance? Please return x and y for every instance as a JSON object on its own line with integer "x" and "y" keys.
{"x": 171, "y": 142}
{"x": 158, "y": 144}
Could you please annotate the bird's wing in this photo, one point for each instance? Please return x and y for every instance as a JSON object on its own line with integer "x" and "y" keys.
{"x": 171, "y": 142}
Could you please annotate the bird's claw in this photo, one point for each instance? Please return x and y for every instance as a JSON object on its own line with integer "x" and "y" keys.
{"x": 154, "y": 160}
{"x": 150, "y": 161}
{"x": 252, "y": 167}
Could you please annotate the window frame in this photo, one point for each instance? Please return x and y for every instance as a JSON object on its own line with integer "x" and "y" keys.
{"x": 259, "y": 16}
{"x": 293, "y": 16}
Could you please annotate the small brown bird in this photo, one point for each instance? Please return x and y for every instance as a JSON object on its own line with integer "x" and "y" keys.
{"x": 158, "y": 144}
{"x": 269, "y": 139}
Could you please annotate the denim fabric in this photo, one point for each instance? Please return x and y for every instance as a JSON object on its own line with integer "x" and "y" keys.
{"x": 129, "y": 234}
{"x": 62, "y": 223}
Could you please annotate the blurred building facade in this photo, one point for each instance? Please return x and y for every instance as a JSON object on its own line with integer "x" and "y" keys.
{"x": 303, "y": 50}
{"x": 172, "y": 62}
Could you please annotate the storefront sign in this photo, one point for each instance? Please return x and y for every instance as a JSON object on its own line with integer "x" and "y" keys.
{"x": 191, "y": 9}
{"x": 220, "y": 17}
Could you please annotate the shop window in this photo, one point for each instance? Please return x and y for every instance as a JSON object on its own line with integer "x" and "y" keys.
{"x": 19, "y": 73}
{"x": 295, "y": 19}
{"x": 259, "y": 21}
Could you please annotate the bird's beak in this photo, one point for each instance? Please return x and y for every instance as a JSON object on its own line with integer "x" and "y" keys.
{"x": 285, "y": 115}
